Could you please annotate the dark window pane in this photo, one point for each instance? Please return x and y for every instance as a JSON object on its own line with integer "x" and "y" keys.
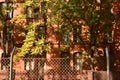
{"x": 41, "y": 32}
{"x": 36, "y": 12}
{"x": 65, "y": 62}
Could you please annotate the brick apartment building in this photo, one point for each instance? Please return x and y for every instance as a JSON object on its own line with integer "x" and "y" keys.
{"x": 73, "y": 54}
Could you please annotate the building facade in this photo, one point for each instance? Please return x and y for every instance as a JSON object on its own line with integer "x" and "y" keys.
{"x": 57, "y": 60}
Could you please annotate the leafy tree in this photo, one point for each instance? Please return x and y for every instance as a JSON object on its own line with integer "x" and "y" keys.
{"x": 94, "y": 14}
{"x": 33, "y": 43}
{"x": 68, "y": 15}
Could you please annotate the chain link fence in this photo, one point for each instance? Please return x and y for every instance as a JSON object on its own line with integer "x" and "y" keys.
{"x": 42, "y": 69}
{"x": 50, "y": 69}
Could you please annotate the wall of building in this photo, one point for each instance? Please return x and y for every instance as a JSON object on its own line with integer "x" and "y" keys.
{"x": 56, "y": 44}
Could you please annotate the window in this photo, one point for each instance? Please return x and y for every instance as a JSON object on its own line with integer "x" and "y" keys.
{"x": 6, "y": 10}
{"x": 77, "y": 60}
{"x": 65, "y": 38}
{"x": 41, "y": 32}
{"x": 35, "y": 65}
{"x": 32, "y": 12}
{"x": 29, "y": 64}
{"x": 65, "y": 61}
{"x": 29, "y": 12}
{"x": 77, "y": 34}
{"x": 38, "y": 60}
{"x": 3, "y": 9}
{"x": 10, "y": 10}
{"x": 36, "y": 10}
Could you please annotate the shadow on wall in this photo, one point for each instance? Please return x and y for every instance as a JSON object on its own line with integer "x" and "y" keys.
{"x": 102, "y": 75}
{"x": 116, "y": 75}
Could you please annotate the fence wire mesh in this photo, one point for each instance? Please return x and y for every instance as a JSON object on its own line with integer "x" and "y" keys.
{"x": 42, "y": 69}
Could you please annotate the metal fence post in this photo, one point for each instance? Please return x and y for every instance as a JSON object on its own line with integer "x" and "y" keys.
{"x": 11, "y": 64}
{"x": 108, "y": 63}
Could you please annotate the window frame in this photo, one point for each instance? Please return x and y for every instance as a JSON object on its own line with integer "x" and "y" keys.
{"x": 29, "y": 12}
{"x": 33, "y": 11}
{"x": 9, "y": 13}
{"x": 65, "y": 61}
{"x": 65, "y": 38}
{"x": 77, "y": 61}
{"x": 29, "y": 64}
{"x": 77, "y": 34}
{"x": 29, "y": 61}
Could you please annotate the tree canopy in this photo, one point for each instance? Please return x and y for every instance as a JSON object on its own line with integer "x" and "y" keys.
{"x": 94, "y": 14}
{"x": 68, "y": 15}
